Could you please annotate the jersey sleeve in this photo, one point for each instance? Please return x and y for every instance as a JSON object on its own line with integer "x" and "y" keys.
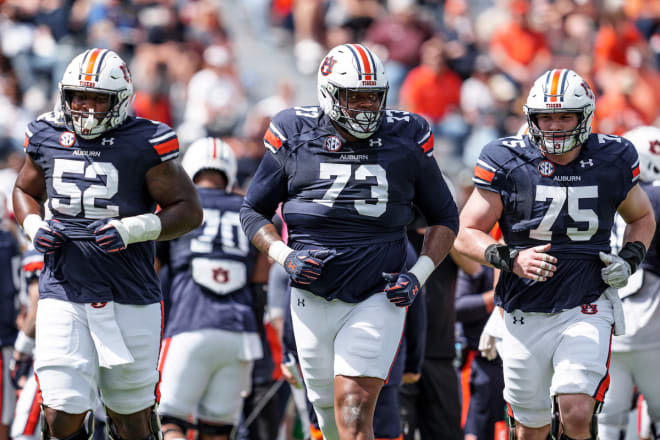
{"x": 630, "y": 170}
{"x": 432, "y": 194}
{"x": 162, "y": 143}
{"x": 488, "y": 172}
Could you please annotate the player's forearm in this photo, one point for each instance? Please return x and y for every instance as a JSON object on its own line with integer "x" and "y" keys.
{"x": 25, "y": 204}
{"x": 269, "y": 241}
{"x": 179, "y": 218}
{"x": 472, "y": 243}
{"x": 642, "y": 229}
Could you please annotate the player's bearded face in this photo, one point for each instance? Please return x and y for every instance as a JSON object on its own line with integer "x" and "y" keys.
{"x": 89, "y": 108}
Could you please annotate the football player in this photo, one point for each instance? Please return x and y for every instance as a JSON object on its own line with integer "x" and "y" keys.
{"x": 101, "y": 173}
{"x": 635, "y": 354}
{"x": 10, "y": 265}
{"x": 555, "y": 192}
{"x": 211, "y": 333}
{"x": 348, "y": 173}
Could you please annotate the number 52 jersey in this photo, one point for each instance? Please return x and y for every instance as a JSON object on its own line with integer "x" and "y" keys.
{"x": 355, "y": 198}
{"x": 93, "y": 179}
{"x": 570, "y": 206}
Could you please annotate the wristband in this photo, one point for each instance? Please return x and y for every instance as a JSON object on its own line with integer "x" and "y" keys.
{"x": 278, "y": 251}
{"x": 138, "y": 228}
{"x": 500, "y": 256}
{"x": 633, "y": 253}
{"x": 423, "y": 269}
{"x": 31, "y": 225}
{"x": 24, "y": 343}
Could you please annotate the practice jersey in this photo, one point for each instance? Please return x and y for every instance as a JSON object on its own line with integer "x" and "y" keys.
{"x": 87, "y": 180}
{"x": 353, "y": 197}
{"x": 10, "y": 283}
{"x": 211, "y": 269}
{"x": 571, "y": 206}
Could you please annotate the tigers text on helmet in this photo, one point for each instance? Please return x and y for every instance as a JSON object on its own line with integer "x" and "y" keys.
{"x": 646, "y": 140}
{"x": 210, "y": 154}
{"x": 560, "y": 91}
{"x": 96, "y": 71}
{"x": 352, "y": 68}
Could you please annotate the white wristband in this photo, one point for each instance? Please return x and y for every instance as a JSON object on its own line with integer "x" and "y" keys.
{"x": 278, "y": 251}
{"x": 24, "y": 343}
{"x": 138, "y": 228}
{"x": 31, "y": 225}
{"x": 423, "y": 269}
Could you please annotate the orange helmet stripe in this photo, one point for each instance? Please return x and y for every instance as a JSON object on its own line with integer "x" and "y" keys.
{"x": 90, "y": 64}
{"x": 555, "y": 83}
{"x": 365, "y": 60}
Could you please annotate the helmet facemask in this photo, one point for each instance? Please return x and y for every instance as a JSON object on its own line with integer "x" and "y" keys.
{"x": 559, "y": 141}
{"x": 86, "y": 123}
{"x": 358, "y": 122}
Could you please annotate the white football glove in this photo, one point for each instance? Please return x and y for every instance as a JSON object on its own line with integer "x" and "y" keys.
{"x": 616, "y": 271}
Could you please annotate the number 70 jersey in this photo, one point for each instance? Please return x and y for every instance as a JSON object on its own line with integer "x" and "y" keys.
{"x": 571, "y": 206}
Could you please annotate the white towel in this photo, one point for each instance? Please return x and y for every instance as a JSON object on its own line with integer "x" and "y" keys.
{"x": 106, "y": 335}
{"x": 493, "y": 330}
{"x": 617, "y": 310}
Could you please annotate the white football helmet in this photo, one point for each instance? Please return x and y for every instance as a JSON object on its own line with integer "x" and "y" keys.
{"x": 646, "y": 141}
{"x": 210, "y": 154}
{"x": 560, "y": 91}
{"x": 96, "y": 71}
{"x": 352, "y": 67}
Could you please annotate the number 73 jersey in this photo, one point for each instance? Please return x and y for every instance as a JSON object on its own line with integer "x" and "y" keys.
{"x": 571, "y": 206}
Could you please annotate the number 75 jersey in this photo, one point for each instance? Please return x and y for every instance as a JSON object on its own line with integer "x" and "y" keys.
{"x": 571, "y": 206}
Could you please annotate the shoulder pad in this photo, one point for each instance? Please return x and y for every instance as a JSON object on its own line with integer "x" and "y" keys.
{"x": 159, "y": 136}
{"x": 289, "y": 123}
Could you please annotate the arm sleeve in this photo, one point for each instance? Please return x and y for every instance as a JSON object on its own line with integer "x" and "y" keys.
{"x": 433, "y": 198}
{"x": 267, "y": 189}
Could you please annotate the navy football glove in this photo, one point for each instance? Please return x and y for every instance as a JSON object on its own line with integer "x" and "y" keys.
{"x": 401, "y": 288}
{"x": 305, "y": 266}
{"x": 49, "y": 236}
{"x": 108, "y": 236}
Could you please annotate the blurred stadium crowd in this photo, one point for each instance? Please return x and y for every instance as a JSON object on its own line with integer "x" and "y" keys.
{"x": 462, "y": 64}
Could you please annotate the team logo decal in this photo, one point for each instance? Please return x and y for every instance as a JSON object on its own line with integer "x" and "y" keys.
{"x": 586, "y": 163}
{"x": 67, "y": 139}
{"x": 654, "y": 147}
{"x": 589, "y": 309}
{"x": 332, "y": 144}
{"x": 546, "y": 168}
{"x": 328, "y": 64}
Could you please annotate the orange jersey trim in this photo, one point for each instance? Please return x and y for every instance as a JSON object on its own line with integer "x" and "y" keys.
{"x": 272, "y": 139}
{"x": 428, "y": 145}
{"x": 483, "y": 173}
{"x": 635, "y": 171}
{"x": 167, "y": 147}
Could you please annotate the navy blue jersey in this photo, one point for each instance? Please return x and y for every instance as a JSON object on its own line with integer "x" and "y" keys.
{"x": 211, "y": 269}
{"x": 571, "y": 206}
{"x": 471, "y": 310}
{"x": 10, "y": 266}
{"x": 93, "y": 179}
{"x": 353, "y": 197}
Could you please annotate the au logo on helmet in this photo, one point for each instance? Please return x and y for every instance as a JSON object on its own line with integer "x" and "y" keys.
{"x": 327, "y": 65}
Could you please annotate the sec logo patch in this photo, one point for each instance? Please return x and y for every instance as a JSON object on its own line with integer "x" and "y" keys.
{"x": 332, "y": 144}
{"x": 67, "y": 139}
{"x": 546, "y": 168}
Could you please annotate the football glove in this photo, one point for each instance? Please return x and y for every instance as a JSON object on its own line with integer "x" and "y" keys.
{"x": 616, "y": 271}
{"x": 401, "y": 288}
{"x": 305, "y": 266}
{"x": 109, "y": 234}
{"x": 49, "y": 236}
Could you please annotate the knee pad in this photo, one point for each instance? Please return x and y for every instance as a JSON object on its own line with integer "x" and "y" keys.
{"x": 86, "y": 431}
{"x": 207, "y": 428}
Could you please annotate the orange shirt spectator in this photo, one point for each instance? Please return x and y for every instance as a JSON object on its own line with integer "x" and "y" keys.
{"x": 613, "y": 43}
{"x": 431, "y": 89}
